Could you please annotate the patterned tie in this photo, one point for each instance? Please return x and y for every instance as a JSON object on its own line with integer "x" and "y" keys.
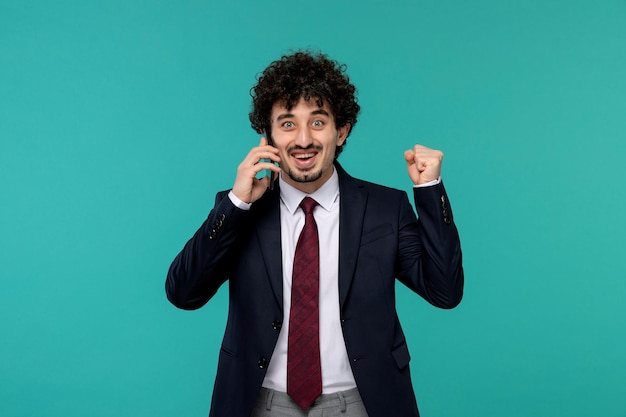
{"x": 304, "y": 371}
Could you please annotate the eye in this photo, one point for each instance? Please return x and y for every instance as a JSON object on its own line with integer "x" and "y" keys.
{"x": 318, "y": 123}
{"x": 288, "y": 125}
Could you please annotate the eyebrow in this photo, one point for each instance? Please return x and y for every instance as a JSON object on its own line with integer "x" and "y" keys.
{"x": 313, "y": 113}
{"x": 320, "y": 111}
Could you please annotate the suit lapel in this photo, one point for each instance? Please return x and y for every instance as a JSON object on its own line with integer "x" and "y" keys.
{"x": 268, "y": 232}
{"x": 352, "y": 201}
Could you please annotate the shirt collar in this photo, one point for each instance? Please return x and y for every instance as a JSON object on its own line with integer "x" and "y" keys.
{"x": 325, "y": 196}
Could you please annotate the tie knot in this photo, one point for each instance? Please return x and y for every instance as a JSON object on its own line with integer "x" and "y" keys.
{"x": 308, "y": 204}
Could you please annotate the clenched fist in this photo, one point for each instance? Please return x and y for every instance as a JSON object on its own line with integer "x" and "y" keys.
{"x": 423, "y": 164}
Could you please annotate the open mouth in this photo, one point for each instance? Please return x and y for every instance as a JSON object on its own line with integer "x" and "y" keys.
{"x": 304, "y": 160}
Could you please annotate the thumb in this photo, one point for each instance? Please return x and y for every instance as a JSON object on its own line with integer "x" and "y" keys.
{"x": 409, "y": 157}
{"x": 414, "y": 174}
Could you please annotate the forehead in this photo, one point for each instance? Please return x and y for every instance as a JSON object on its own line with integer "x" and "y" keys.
{"x": 302, "y": 107}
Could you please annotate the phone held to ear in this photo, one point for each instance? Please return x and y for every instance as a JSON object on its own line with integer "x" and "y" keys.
{"x": 270, "y": 173}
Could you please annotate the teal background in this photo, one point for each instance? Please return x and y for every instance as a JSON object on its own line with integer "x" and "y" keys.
{"x": 119, "y": 120}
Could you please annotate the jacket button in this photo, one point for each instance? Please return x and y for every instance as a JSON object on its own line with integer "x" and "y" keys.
{"x": 276, "y": 325}
{"x": 444, "y": 210}
{"x": 446, "y": 217}
{"x": 262, "y": 363}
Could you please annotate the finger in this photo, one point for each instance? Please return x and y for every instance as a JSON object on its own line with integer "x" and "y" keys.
{"x": 416, "y": 158}
{"x": 252, "y": 166}
{"x": 266, "y": 165}
{"x": 409, "y": 156}
{"x": 264, "y": 182}
{"x": 265, "y": 146}
{"x": 266, "y": 154}
{"x": 258, "y": 154}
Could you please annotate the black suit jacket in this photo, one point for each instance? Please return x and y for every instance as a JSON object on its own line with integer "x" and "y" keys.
{"x": 380, "y": 240}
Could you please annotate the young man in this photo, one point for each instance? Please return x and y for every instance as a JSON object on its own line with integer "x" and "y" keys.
{"x": 311, "y": 262}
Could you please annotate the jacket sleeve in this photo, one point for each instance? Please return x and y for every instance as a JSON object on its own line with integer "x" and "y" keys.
{"x": 202, "y": 266}
{"x": 430, "y": 260}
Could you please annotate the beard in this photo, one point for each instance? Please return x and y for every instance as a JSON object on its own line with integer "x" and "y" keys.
{"x": 305, "y": 176}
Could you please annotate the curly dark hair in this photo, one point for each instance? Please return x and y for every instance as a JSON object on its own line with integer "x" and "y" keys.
{"x": 304, "y": 75}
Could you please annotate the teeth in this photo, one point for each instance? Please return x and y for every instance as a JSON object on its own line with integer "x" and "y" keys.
{"x": 304, "y": 155}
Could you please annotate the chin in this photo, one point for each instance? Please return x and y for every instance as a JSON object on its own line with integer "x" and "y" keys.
{"x": 306, "y": 176}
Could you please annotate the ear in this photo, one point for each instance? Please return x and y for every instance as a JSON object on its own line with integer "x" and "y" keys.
{"x": 342, "y": 133}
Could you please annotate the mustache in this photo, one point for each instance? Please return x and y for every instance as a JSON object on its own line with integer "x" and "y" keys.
{"x": 317, "y": 148}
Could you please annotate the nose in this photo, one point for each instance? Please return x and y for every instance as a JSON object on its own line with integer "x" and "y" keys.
{"x": 304, "y": 138}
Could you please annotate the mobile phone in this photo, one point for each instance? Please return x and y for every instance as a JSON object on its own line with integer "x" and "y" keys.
{"x": 268, "y": 136}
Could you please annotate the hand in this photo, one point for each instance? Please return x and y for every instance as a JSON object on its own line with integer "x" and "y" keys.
{"x": 423, "y": 164}
{"x": 247, "y": 186}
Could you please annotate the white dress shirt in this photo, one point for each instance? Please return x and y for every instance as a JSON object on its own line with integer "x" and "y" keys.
{"x": 336, "y": 371}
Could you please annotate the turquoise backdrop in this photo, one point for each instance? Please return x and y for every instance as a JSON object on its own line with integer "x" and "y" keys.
{"x": 119, "y": 120}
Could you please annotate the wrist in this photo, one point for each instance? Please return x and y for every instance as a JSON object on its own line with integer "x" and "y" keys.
{"x": 239, "y": 203}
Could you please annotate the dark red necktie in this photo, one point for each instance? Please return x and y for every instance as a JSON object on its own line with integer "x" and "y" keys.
{"x": 304, "y": 370}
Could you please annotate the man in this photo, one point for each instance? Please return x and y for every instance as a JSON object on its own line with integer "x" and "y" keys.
{"x": 312, "y": 326}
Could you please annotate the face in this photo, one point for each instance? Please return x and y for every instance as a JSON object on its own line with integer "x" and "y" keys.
{"x": 306, "y": 138}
